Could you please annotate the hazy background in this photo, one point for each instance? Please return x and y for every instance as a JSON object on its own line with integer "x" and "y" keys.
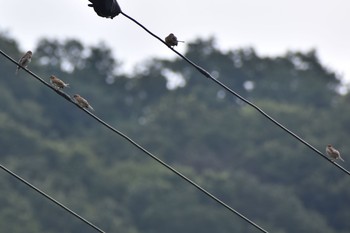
{"x": 225, "y": 146}
{"x": 272, "y": 26}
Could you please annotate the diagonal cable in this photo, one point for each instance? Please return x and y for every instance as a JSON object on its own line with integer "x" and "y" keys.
{"x": 50, "y": 198}
{"x": 68, "y": 98}
{"x": 208, "y": 75}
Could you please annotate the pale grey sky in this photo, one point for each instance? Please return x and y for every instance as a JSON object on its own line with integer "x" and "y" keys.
{"x": 270, "y": 26}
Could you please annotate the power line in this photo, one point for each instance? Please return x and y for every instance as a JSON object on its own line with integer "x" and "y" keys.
{"x": 208, "y": 75}
{"x": 68, "y": 98}
{"x": 50, "y": 198}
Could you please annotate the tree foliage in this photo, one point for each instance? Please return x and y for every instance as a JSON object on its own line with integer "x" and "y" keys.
{"x": 213, "y": 138}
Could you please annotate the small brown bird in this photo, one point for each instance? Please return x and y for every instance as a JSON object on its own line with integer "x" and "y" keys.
{"x": 82, "y": 102}
{"x": 25, "y": 60}
{"x": 171, "y": 40}
{"x": 58, "y": 83}
{"x": 333, "y": 153}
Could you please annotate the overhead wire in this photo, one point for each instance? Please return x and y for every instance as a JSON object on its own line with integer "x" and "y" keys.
{"x": 208, "y": 75}
{"x": 68, "y": 98}
{"x": 50, "y": 198}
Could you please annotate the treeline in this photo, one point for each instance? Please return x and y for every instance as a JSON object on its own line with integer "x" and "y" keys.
{"x": 209, "y": 135}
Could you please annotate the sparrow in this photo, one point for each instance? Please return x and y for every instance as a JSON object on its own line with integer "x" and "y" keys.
{"x": 333, "y": 153}
{"x": 82, "y": 102}
{"x": 58, "y": 83}
{"x": 24, "y": 61}
{"x": 171, "y": 40}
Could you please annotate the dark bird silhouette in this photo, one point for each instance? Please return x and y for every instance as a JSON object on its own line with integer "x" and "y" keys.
{"x": 171, "y": 40}
{"x": 106, "y": 8}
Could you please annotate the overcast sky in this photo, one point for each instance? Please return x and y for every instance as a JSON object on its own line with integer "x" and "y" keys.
{"x": 271, "y": 27}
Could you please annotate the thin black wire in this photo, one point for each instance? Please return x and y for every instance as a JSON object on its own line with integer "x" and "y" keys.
{"x": 208, "y": 75}
{"x": 68, "y": 98}
{"x": 50, "y": 198}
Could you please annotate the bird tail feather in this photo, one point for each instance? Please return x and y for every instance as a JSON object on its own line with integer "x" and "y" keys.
{"x": 91, "y": 108}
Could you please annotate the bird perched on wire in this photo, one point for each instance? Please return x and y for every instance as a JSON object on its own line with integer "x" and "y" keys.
{"x": 105, "y": 8}
{"x": 333, "y": 153}
{"x": 171, "y": 40}
{"x": 25, "y": 60}
{"x": 82, "y": 102}
{"x": 58, "y": 83}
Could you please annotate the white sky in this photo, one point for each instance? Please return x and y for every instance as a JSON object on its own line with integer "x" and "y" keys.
{"x": 271, "y": 27}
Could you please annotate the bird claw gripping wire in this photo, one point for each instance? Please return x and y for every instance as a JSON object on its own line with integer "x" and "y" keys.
{"x": 106, "y": 8}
